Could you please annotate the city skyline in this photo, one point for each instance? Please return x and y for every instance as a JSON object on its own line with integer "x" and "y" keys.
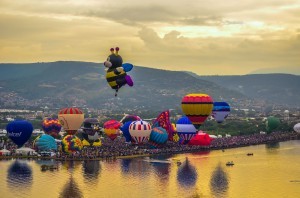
{"x": 204, "y": 37}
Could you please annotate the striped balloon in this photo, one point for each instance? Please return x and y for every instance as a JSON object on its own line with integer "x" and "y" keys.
{"x": 51, "y": 126}
{"x": 71, "y": 119}
{"x": 220, "y": 111}
{"x": 140, "y": 131}
{"x": 185, "y": 129}
{"x": 111, "y": 129}
{"x": 197, "y": 107}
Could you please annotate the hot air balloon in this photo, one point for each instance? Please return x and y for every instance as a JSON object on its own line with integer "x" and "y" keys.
{"x": 19, "y": 131}
{"x": 158, "y": 137}
{"x": 297, "y": 128}
{"x": 111, "y": 129}
{"x": 71, "y": 119}
{"x": 51, "y": 126}
{"x": 71, "y": 144}
{"x": 197, "y": 107}
{"x": 185, "y": 129}
{"x": 140, "y": 131}
{"x": 272, "y": 123}
{"x": 200, "y": 139}
{"x": 116, "y": 75}
{"x": 125, "y": 130}
{"x": 220, "y": 111}
{"x": 45, "y": 143}
{"x": 90, "y": 126}
{"x": 128, "y": 118}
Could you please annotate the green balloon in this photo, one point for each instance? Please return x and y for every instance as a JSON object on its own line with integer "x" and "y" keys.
{"x": 272, "y": 123}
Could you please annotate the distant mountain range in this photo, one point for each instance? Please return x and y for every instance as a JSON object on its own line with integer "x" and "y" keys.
{"x": 67, "y": 83}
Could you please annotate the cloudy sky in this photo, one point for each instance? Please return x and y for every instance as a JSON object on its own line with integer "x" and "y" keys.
{"x": 203, "y": 36}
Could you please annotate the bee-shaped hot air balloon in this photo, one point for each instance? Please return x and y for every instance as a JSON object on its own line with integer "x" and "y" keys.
{"x": 116, "y": 75}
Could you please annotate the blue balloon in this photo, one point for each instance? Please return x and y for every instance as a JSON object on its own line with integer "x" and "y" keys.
{"x": 158, "y": 137}
{"x": 127, "y": 67}
{"x": 19, "y": 131}
{"x": 125, "y": 130}
{"x": 45, "y": 143}
{"x": 185, "y": 129}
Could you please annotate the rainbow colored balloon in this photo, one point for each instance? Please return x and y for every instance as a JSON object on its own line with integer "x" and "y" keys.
{"x": 197, "y": 107}
{"x": 51, "y": 126}
{"x": 71, "y": 144}
{"x": 71, "y": 119}
{"x": 111, "y": 129}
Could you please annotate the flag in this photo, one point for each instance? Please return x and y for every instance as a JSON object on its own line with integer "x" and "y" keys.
{"x": 163, "y": 120}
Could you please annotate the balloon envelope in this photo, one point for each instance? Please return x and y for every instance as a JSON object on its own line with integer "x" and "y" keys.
{"x": 197, "y": 107}
{"x": 158, "y": 137}
{"x": 51, "y": 126}
{"x": 90, "y": 126}
{"x": 71, "y": 143}
{"x": 71, "y": 119}
{"x": 125, "y": 130}
{"x": 297, "y": 128}
{"x": 220, "y": 111}
{"x": 128, "y": 118}
{"x": 140, "y": 131}
{"x": 45, "y": 143}
{"x": 19, "y": 131}
{"x": 111, "y": 129}
{"x": 185, "y": 129}
{"x": 272, "y": 123}
{"x": 200, "y": 139}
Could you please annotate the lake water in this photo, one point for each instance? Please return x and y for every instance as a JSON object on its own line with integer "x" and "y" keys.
{"x": 272, "y": 171}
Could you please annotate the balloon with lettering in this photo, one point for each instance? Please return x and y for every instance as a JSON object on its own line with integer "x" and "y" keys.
{"x": 116, "y": 75}
{"x": 71, "y": 119}
{"x": 220, "y": 111}
{"x": 158, "y": 137}
{"x": 272, "y": 123}
{"x": 185, "y": 129}
{"x": 19, "y": 131}
{"x": 200, "y": 139}
{"x": 197, "y": 107}
{"x": 45, "y": 143}
{"x": 71, "y": 144}
{"x": 140, "y": 131}
{"x": 297, "y": 128}
{"x": 111, "y": 129}
{"x": 51, "y": 126}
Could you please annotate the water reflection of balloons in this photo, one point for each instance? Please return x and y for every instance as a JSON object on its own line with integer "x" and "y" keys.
{"x": 19, "y": 174}
{"x": 219, "y": 181}
{"x": 71, "y": 189}
{"x": 187, "y": 175}
{"x": 91, "y": 169}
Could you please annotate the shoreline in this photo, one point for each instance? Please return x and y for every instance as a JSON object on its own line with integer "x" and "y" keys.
{"x": 190, "y": 150}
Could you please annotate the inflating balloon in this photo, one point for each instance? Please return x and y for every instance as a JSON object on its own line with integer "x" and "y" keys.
{"x": 272, "y": 123}
{"x": 51, "y": 126}
{"x": 45, "y": 143}
{"x": 90, "y": 126}
{"x": 125, "y": 130}
{"x": 71, "y": 119}
{"x": 19, "y": 131}
{"x": 111, "y": 129}
{"x": 158, "y": 137}
{"x": 220, "y": 111}
{"x": 297, "y": 128}
{"x": 200, "y": 139}
{"x": 140, "y": 131}
{"x": 185, "y": 129}
{"x": 71, "y": 144}
{"x": 116, "y": 74}
{"x": 197, "y": 107}
{"x": 128, "y": 118}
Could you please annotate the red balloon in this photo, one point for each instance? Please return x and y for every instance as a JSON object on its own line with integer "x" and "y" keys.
{"x": 200, "y": 139}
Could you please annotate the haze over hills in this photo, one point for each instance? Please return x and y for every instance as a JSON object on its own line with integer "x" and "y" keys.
{"x": 67, "y": 83}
